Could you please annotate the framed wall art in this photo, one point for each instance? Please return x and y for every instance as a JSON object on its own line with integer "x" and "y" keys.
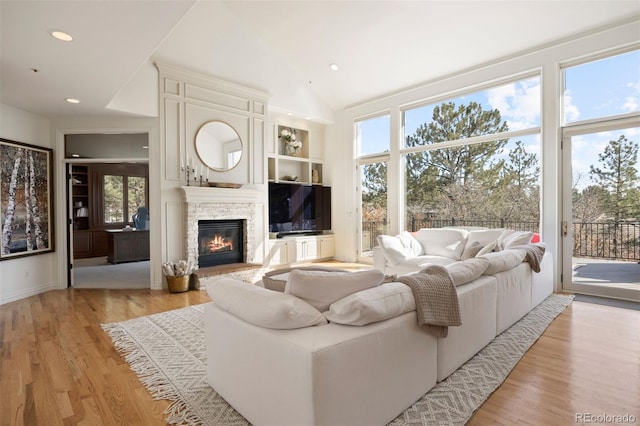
{"x": 26, "y": 199}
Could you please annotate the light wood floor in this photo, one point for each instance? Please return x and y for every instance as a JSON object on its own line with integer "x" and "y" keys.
{"x": 58, "y": 367}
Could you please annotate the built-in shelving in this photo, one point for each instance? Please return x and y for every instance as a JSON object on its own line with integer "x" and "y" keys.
{"x": 80, "y": 197}
{"x": 300, "y": 167}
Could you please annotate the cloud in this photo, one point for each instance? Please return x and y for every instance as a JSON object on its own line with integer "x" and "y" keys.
{"x": 571, "y": 111}
{"x": 630, "y": 104}
{"x": 518, "y": 103}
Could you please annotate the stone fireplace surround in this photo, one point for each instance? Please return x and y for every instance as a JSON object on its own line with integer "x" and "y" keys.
{"x": 211, "y": 203}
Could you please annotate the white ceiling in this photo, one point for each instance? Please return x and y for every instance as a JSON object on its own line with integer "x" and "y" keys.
{"x": 281, "y": 47}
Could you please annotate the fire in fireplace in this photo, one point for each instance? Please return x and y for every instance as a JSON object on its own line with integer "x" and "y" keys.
{"x": 220, "y": 242}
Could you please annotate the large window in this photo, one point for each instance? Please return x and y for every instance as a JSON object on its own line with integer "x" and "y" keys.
{"x": 473, "y": 160}
{"x": 602, "y": 88}
{"x": 123, "y": 195}
{"x": 373, "y": 142}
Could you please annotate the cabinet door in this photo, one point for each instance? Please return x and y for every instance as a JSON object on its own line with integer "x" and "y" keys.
{"x": 306, "y": 249}
{"x": 81, "y": 244}
{"x": 278, "y": 253}
{"x": 327, "y": 248}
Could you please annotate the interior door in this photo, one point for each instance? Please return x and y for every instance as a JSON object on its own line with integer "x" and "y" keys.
{"x": 70, "y": 213}
{"x": 601, "y": 209}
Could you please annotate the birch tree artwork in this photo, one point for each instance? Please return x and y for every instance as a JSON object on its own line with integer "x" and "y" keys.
{"x": 25, "y": 198}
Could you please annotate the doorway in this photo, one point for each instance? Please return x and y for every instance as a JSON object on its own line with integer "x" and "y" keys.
{"x": 107, "y": 190}
{"x": 601, "y": 222}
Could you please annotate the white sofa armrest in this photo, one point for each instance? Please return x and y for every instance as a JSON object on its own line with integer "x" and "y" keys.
{"x": 379, "y": 261}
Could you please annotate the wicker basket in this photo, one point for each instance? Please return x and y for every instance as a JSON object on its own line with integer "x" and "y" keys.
{"x": 178, "y": 284}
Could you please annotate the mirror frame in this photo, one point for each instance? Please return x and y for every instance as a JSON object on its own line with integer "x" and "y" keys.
{"x": 201, "y": 155}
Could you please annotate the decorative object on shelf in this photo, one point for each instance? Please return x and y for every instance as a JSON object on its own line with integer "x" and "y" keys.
{"x": 291, "y": 144}
{"x": 290, "y": 178}
{"x": 178, "y": 275}
{"x": 315, "y": 176}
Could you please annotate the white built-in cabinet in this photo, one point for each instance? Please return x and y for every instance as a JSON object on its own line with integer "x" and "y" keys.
{"x": 305, "y": 166}
{"x": 291, "y": 250}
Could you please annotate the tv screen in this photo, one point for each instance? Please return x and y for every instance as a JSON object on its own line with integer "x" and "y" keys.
{"x": 295, "y": 208}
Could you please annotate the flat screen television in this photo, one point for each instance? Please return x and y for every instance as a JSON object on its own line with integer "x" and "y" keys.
{"x": 299, "y": 209}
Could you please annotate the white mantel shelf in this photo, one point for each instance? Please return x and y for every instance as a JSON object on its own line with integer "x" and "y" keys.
{"x": 207, "y": 194}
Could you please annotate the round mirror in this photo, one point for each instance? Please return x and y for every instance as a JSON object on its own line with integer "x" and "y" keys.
{"x": 218, "y": 145}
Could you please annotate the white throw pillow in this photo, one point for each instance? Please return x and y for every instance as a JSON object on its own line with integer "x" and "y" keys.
{"x": 485, "y": 236}
{"x": 277, "y": 279}
{"x": 263, "y": 307}
{"x": 443, "y": 242}
{"x": 397, "y": 249}
{"x": 372, "y": 305}
{"x": 487, "y": 249}
{"x": 468, "y": 270}
{"x": 410, "y": 243}
{"x": 471, "y": 250}
{"x": 320, "y": 289}
{"x": 503, "y": 260}
{"x": 510, "y": 238}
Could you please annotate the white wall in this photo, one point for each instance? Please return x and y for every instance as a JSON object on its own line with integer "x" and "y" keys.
{"x": 26, "y": 276}
{"x": 547, "y": 60}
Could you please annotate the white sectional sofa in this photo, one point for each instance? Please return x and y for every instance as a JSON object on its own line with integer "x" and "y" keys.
{"x": 268, "y": 361}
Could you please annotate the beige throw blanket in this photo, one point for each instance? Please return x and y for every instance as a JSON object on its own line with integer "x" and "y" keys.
{"x": 436, "y": 299}
{"x": 533, "y": 256}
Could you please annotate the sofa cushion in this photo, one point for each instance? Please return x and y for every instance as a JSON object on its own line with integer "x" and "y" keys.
{"x": 471, "y": 250}
{"x": 372, "y": 305}
{"x": 443, "y": 242}
{"x": 397, "y": 249}
{"x": 488, "y": 248}
{"x": 262, "y": 307}
{"x": 503, "y": 260}
{"x": 277, "y": 279}
{"x": 478, "y": 239}
{"x": 320, "y": 288}
{"x": 468, "y": 270}
{"x": 510, "y": 238}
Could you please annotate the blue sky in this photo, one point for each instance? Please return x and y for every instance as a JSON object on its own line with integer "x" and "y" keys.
{"x": 597, "y": 89}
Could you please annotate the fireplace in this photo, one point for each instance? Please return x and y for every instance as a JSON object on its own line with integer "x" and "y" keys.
{"x": 221, "y": 242}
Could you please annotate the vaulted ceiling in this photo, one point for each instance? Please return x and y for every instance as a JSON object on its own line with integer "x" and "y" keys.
{"x": 281, "y": 47}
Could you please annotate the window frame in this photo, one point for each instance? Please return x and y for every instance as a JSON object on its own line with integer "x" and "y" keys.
{"x": 125, "y": 206}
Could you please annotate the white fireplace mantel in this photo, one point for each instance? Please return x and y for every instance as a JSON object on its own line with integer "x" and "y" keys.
{"x": 206, "y": 194}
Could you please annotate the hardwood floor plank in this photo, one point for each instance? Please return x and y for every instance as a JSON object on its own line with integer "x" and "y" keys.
{"x": 58, "y": 367}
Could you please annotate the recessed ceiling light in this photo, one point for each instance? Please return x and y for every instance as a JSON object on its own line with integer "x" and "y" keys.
{"x": 333, "y": 67}
{"x": 75, "y": 155}
{"x": 72, "y": 100}
{"x": 145, "y": 146}
{"x": 60, "y": 35}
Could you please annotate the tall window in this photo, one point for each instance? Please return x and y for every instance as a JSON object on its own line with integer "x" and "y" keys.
{"x": 474, "y": 160}
{"x": 373, "y": 142}
{"x": 123, "y": 195}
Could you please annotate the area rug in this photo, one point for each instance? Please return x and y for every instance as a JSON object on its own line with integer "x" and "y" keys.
{"x": 167, "y": 352}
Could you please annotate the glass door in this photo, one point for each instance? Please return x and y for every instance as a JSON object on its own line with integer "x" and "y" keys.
{"x": 373, "y": 206}
{"x": 601, "y": 204}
